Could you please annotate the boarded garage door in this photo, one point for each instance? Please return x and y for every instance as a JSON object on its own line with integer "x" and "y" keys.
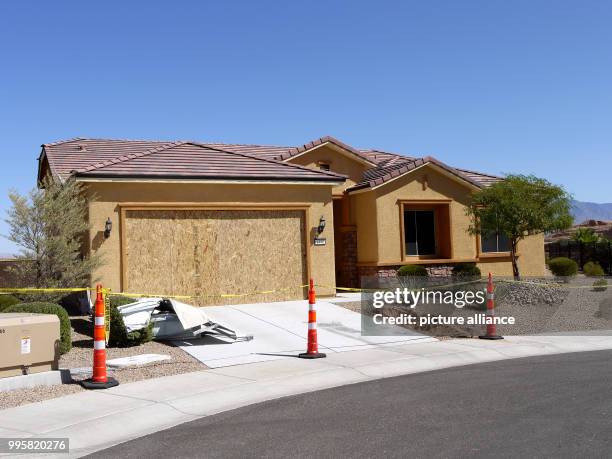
{"x": 207, "y": 253}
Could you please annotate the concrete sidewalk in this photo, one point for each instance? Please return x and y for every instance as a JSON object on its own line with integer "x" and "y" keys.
{"x": 98, "y": 419}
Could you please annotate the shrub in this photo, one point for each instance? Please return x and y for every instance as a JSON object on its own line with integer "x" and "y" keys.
{"x": 118, "y": 300}
{"x": 6, "y": 301}
{"x": 412, "y": 270}
{"x": 49, "y": 308}
{"x": 466, "y": 270}
{"x": 563, "y": 267}
{"x": 600, "y": 285}
{"x": 593, "y": 269}
{"x": 119, "y": 336}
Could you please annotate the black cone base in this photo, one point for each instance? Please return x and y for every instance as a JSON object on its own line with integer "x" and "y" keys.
{"x": 317, "y": 355}
{"x": 89, "y": 384}
{"x": 491, "y": 337}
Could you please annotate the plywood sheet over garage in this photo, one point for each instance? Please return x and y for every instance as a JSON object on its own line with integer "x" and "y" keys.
{"x": 207, "y": 253}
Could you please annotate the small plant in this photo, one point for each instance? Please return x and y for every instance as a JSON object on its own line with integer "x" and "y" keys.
{"x": 563, "y": 267}
{"x": 7, "y": 301}
{"x": 412, "y": 270}
{"x": 593, "y": 269}
{"x": 466, "y": 270}
{"x": 600, "y": 285}
{"x": 118, "y": 300}
{"x": 49, "y": 308}
{"x": 119, "y": 336}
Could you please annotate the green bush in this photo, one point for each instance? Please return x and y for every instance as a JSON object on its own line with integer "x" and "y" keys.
{"x": 412, "y": 270}
{"x": 563, "y": 267}
{"x": 600, "y": 285}
{"x": 118, "y": 300}
{"x": 119, "y": 336}
{"x": 593, "y": 269}
{"x": 7, "y": 301}
{"x": 466, "y": 270}
{"x": 49, "y": 308}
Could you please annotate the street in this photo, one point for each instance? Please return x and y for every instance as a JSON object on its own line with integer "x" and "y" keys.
{"x": 552, "y": 406}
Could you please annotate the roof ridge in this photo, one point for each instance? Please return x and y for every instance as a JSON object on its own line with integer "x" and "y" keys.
{"x": 122, "y": 159}
{"x": 405, "y": 167}
{"x": 477, "y": 172}
{"x": 274, "y": 161}
{"x": 246, "y": 145}
{"x": 320, "y": 141}
{"x": 59, "y": 142}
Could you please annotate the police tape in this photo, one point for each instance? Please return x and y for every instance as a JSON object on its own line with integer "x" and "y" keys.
{"x": 109, "y": 292}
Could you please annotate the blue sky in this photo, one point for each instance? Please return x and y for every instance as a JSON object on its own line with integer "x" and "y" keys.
{"x": 521, "y": 86}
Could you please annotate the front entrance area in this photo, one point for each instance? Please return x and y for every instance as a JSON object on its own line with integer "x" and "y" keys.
{"x": 426, "y": 230}
{"x": 210, "y": 252}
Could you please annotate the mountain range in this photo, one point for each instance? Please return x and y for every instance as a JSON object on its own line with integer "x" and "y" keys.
{"x": 582, "y": 211}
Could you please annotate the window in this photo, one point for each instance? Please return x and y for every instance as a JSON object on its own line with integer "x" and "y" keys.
{"x": 324, "y": 166}
{"x": 419, "y": 232}
{"x": 495, "y": 242}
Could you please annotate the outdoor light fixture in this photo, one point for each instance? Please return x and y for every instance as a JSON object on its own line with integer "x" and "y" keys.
{"x": 321, "y": 226}
{"x": 108, "y": 226}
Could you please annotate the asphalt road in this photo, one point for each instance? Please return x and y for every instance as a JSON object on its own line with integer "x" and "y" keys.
{"x": 555, "y": 406}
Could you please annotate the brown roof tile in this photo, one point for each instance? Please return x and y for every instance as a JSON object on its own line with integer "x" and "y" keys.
{"x": 213, "y": 160}
{"x": 170, "y": 160}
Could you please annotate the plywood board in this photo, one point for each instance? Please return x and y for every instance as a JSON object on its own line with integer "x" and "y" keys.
{"x": 208, "y": 253}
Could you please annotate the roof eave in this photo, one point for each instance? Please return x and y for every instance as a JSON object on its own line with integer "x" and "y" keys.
{"x": 206, "y": 178}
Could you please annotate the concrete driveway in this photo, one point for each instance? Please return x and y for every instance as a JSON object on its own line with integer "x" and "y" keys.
{"x": 280, "y": 330}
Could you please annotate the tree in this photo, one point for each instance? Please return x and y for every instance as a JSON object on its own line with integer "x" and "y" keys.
{"x": 586, "y": 236}
{"x": 519, "y": 206}
{"x": 50, "y": 225}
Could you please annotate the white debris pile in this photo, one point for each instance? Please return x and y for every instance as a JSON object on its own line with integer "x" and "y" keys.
{"x": 173, "y": 320}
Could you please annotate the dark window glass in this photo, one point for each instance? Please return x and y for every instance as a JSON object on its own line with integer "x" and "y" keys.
{"x": 496, "y": 242}
{"x": 419, "y": 232}
{"x": 324, "y": 166}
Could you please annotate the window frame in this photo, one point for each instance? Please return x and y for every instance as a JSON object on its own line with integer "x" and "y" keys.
{"x": 497, "y": 252}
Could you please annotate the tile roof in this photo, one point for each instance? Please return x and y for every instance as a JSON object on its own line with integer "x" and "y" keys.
{"x": 385, "y": 174}
{"x": 186, "y": 159}
{"x": 121, "y": 158}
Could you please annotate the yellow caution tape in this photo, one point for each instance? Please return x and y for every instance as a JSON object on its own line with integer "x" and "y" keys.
{"x": 42, "y": 290}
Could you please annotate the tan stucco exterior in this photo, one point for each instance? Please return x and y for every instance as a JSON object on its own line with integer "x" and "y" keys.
{"x": 339, "y": 161}
{"x": 374, "y": 216}
{"x": 111, "y": 197}
{"x": 377, "y": 216}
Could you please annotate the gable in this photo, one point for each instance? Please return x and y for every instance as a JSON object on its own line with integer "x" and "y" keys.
{"x": 339, "y": 162}
{"x": 427, "y": 182}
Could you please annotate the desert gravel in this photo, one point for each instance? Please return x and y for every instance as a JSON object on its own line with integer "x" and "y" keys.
{"x": 81, "y": 355}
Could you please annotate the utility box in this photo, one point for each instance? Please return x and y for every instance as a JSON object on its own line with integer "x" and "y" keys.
{"x": 29, "y": 343}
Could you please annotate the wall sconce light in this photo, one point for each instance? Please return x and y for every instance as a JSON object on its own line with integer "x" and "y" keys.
{"x": 108, "y": 226}
{"x": 321, "y": 226}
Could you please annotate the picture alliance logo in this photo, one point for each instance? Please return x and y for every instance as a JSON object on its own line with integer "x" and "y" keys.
{"x": 412, "y": 298}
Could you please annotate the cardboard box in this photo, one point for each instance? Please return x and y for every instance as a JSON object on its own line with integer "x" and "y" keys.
{"x": 29, "y": 343}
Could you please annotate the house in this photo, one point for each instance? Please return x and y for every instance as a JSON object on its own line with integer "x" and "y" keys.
{"x": 206, "y": 219}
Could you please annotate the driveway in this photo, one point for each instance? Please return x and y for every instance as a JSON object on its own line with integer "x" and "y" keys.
{"x": 279, "y": 332}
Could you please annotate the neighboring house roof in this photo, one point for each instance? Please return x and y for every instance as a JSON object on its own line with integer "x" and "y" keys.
{"x": 186, "y": 159}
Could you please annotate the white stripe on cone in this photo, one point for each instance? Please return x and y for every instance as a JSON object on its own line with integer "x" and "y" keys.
{"x": 99, "y": 320}
{"x": 99, "y": 345}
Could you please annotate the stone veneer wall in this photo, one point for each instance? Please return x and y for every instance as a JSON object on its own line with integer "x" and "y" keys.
{"x": 349, "y": 273}
{"x": 391, "y": 271}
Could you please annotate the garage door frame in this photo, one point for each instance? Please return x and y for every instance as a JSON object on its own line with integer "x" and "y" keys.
{"x": 129, "y": 206}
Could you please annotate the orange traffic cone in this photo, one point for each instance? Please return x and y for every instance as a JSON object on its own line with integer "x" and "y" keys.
{"x": 99, "y": 380}
{"x": 491, "y": 327}
{"x": 312, "y": 351}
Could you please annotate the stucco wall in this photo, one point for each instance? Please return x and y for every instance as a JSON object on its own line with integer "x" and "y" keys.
{"x": 338, "y": 162}
{"x": 109, "y": 196}
{"x": 379, "y": 228}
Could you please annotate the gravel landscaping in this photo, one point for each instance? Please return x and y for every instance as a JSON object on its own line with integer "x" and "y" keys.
{"x": 81, "y": 356}
{"x": 538, "y": 306}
